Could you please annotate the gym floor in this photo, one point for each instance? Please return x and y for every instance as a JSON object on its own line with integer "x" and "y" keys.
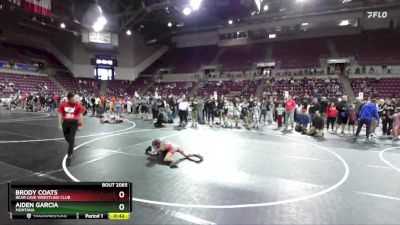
{"x": 247, "y": 177}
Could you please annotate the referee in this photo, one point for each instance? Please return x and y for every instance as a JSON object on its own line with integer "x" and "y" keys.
{"x": 70, "y": 119}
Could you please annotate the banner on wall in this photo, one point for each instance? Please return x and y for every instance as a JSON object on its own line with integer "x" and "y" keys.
{"x": 42, "y": 7}
{"x": 18, "y": 66}
{"x": 361, "y": 95}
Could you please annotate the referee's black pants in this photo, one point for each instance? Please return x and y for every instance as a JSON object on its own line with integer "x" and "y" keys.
{"x": 69, "y": 129}
{"x": 183, "y": 115}
{"x": 360, "y": 125}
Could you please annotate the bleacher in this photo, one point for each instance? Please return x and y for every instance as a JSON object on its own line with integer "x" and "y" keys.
{"x": 304, "y": 88}
{"x": 372, "y": 48}
{"x": 242, "y": 57}
{"x": 245, "y": 88}
{"x": 27, "y": 83}
{"x": 377, "y": 88}
{"x": 303, "y": 53}
{"x": 175, "y": 88}
{"x": 184, "y": 60}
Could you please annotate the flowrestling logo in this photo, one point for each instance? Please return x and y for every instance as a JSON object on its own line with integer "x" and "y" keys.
{"x": 377, "y": 14}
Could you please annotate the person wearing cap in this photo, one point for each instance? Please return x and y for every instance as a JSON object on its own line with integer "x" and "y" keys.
{"x": 70, "y": 117}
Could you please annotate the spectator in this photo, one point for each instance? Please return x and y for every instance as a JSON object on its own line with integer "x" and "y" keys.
{"x": 387, "y": 116}
{"x": 200, "y": 109}
{"x": 331, "y": 115}
{"x": 323, "y": 107}
{"x": 317, "y": 128}
{"x": 352, "y": 118}
{"x": 368, "y": 111}
{"x": 183, "y": 107}
{"x": 290, "y": 106}
{"x": 279, "y": 114}
{"x": 343, "y": 114}
{"x": 314, "y": 107}
{"x": 303, "y": 119}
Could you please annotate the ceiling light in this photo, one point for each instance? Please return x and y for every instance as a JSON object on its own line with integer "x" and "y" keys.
{"x": 346, "y": 1}
{"x": 344, "y": 23}
{"x": 304, "y": 24}
{"x": 129, "y": 32}
{"x": 265, "y": 8}
{"x": 272, "y": 36}
{"x": 142, "y": 26}
{"x": 230, "y": 22}
{"x": 195, "y": 4}
{"x": 101, "y": 20}
{"x": 187, "y": 11}
{"x": 99, "y": 24}
{"x": 169, "y": 24}
{"x": 62, "y": 25}
{"x": 180, "y": 25}
{"x": 258, "y": 4}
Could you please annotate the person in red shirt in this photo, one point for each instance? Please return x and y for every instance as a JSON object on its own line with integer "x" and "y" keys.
{"x": 331, "y": 113}
{"x": 112, "y": 103}
{"x": 70, "y": 116}
{"x": 103, "y": 101}
{"x": 56, "y": 98}
{"x": 290, "y": 106}
{"x": 24, "y": 98}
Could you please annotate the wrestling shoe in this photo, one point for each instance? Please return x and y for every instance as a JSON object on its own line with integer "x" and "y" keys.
{"x": 173, "y": 164}
{"x": 369, "y": 141}
{"x": 148, "y": 149}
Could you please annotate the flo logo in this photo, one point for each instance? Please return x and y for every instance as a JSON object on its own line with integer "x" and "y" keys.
{"x": 377, "y": 14}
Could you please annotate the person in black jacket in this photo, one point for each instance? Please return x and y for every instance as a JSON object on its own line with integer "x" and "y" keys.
{"x": 343, "y": 114}
{"x": 314, "y": 107}
{"x": 93, "y": 100}
{"x": 172, "y": 104}
{"x": 387, "y": 116}
{"x": 324, "y": 106}
{"x": 206, "y": 108}
{"x": 317, "y": 128}
{"x": 212, "y": 108}
{"x": 220, "y": 109}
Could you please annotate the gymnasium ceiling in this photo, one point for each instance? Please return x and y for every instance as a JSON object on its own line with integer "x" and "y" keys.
{"x": 150, "y": 17}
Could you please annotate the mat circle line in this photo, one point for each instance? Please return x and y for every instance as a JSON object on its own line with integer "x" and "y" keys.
{"x": 84, "y": 136}
{"x": 386, "y": 161}
{"x": 235, "y": 206}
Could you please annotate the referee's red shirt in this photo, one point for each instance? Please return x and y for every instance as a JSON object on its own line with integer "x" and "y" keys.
{"x": 70, "y": 111}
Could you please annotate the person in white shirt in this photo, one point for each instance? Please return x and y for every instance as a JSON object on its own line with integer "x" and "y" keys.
{"x": 183, "y": 107}
{"x": 129, "y": 105}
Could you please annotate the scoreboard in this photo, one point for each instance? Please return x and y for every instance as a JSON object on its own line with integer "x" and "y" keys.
{"x": 90, "y": 200}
